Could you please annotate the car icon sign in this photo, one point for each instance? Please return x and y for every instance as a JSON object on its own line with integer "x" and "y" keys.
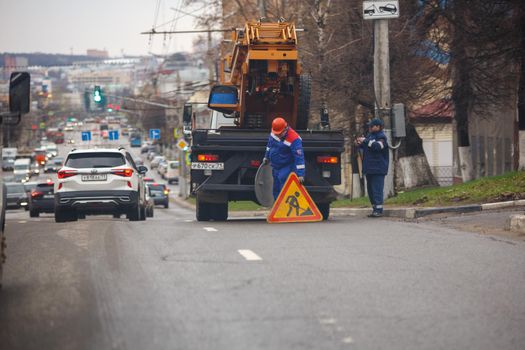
{"x": 370, "y": 10}
{"x": 388, "y": 8}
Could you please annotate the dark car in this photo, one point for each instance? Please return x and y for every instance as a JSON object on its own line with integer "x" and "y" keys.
{"x": 150, "y": 204}
{"x": 16, "y": 195}
{"x": 29, "y": 187}
{"x": 42, "y": 199}
{"x": 160, "y": 194}
{"x": 54, "y": 165}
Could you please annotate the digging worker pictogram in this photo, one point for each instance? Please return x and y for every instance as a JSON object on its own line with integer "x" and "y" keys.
{"x": 285, "y": 153}
{"x": 293, "y": 203}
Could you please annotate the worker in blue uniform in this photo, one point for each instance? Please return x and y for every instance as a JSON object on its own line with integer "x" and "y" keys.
{"x": 375, "y": 164}
{"x": 284, "y": 152}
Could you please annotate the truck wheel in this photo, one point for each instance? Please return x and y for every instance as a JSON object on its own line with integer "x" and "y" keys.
{"x": 303, "y": 108}
{"x": 34, "y": 213}
{"x": 202, "y": 211}
{"x": 324, "y": 208}
{"x": 219, "y": 212}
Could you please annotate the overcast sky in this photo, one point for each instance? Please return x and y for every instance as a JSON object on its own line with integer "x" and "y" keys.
{"x": 65, "y": 26}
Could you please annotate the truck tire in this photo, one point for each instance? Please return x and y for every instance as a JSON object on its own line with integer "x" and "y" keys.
{"x": 219, "y": 211}
{"x": 324, "y": 208}
{"x": 202, "y": 211}
{"x": 34, "y": 213}
{"x": 303, "y": 108}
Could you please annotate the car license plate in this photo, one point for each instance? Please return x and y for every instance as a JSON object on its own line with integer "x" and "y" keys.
{"x": 95, "y": 177}
{"x": 207, "y": 166}
{"x": 49, "y": 196}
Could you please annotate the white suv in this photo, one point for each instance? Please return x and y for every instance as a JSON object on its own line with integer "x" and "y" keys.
{"x": 98, "y": 182}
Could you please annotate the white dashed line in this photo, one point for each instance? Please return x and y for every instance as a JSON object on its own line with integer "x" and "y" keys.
{"x": 249, "y": 255}
{"x": 210, "y": 229}
{"x": 348, "y": 340}
{"x": 22, "y": 222}
{"x": 188, "y": 220}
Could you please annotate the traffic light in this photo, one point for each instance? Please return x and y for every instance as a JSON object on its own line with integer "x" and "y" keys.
{"x": 97, "y": 94}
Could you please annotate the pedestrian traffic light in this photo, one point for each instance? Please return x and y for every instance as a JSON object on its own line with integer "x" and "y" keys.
{"x": 325, "y": 121}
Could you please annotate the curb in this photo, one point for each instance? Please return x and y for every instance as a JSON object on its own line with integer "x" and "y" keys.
{"x": 516, "y": 223}
{"x": 404, "y": 213}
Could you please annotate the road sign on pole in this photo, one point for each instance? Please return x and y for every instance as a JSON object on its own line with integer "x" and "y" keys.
{"x": 86, "y": 135}
{"x": 380, "y": 9}
{"x": 154, "y": 134}
{"x": 113, "y": 135}
{"x": 182, "y": 145}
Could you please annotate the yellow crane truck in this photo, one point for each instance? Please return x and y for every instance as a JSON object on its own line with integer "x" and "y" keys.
{"x": 260, "y": 79}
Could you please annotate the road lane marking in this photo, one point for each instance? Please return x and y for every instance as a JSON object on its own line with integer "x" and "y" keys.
{"x": 348, "y": 340}
{"x": 210, "y": 229}
{"x": 188, "y": 220}
{"x": 22, "y": 221}
{"x": 249, "y": 255}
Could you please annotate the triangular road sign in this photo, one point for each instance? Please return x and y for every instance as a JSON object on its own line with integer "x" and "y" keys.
{"x": 294, "y": 204}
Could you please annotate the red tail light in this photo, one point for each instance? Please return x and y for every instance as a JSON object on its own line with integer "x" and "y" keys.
{"x": 327, "y": 160}
{"x": 207, "y": 157}
{"x": 36, "y": 194}
{"x": 62, "y": 174}
{"x": 255, "y": 163}
{"x": 126, "y": 172}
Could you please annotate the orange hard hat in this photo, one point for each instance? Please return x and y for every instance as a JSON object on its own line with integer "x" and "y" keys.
{"x": 278, "y": 125}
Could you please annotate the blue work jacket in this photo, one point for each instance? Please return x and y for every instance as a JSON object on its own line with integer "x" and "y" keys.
{"x": 375, "y": 154}
{"x": 286, "y": 152}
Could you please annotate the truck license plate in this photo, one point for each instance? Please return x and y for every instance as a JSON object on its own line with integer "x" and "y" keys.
{"x": 207, "y": 166}
{"x": 96, "y": 177}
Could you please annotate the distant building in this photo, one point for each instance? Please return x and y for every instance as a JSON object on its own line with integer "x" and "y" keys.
{"x": 14, "y": 63}
{"x": 97, "y": 53}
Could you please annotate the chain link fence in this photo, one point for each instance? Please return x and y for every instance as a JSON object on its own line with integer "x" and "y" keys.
{"x": 443, "y": 174}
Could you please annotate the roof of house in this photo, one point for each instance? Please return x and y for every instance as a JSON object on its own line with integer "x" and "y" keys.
{"x": 441, "y": 110}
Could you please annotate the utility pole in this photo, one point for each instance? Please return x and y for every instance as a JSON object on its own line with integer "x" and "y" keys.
{"x": 382, "y": 91}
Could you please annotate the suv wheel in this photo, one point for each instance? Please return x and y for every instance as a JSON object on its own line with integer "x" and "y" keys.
{"x": 34, "y": 213}
{"x": 65, "y": 215}
{"x": 134, "y": 213}
{"x": 142, "y": 213}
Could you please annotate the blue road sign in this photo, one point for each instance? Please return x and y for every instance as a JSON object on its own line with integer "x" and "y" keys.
{"x": 86, "y": 135}
{"x": 154, "y": 134}
{"x": 113, "y": 135}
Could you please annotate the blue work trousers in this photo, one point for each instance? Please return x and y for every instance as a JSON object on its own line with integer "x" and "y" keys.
{"x": 375, "y": 184}
{"x": 279, "y": 178}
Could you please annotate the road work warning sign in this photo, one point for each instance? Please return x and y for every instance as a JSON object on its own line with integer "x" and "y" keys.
{"x": 294, "y": 204}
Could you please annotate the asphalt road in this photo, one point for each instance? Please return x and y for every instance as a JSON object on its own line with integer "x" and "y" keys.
{"x": 173, "y": 283}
